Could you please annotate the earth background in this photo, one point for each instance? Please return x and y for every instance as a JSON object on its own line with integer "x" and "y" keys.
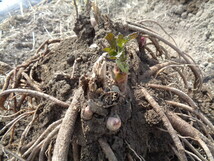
{"x": 189, "y": 22}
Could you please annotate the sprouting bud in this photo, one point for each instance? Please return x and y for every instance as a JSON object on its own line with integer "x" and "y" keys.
{"x": 93, "y": 22}
{"x": 143, "y": 41}
{"x": 86, "y": 113}
{"x": 113, "y": 123}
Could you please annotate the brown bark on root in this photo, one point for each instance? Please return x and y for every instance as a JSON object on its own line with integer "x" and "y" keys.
{"x": 187, "y": 130}
{"x": 67, "y": 128}
{"x": 167, "y": 124}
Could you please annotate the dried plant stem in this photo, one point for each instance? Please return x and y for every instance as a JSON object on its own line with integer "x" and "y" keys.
{"x": 14, "y": 123}
{"x": 7, "y": 80}
{"x": 34, "y": 93}
{"x": 35, "y": 151}
{"x": 12, "y": 115}
{"x": 180, "y": 93}
{"x": 195, "y": 69}
{"x": 15, "y": 120}
{"x": 196, "y": 112}
{"x": 27, "y": 129}
{"x": 193, "y": 149}
{"x": 167, "y": 124}
{"x": 67, "y": 128}
{"x": 42, "y": 136}
{"x": 76, "y": 9}
{"x": 183, "y": 77}
{"x": 31, "y": 82}
{"x": 4, "y": 149}
{"x": 154, "y": 69}
{"x": 73, "y": 69}
{"x": 46, "y": 143}
{"x": 107, "y": 150}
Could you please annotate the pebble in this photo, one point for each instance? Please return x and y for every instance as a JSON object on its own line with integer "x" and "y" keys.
{"x": 178, "y": 10}
{"x": 184, "y": 15}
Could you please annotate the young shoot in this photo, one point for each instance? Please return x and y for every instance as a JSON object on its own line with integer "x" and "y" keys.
{"x": 116, "y": 51}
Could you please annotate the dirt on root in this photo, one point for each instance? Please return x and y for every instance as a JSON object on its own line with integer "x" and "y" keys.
{"x": 139, "y": 124}
{"x": 142, "y": 135}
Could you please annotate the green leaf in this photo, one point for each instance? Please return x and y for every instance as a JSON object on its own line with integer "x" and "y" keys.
{"x": 116, "y": 51}
{"x": 111, "y": 52}
{"x": 124, "y": 67}
{"x": 107, "y": 49}
{"x": 132, "y": 36}
{"x": 112, "y": 57}
{"x": 121, "y": 41}
{"x": 111, "y": 40}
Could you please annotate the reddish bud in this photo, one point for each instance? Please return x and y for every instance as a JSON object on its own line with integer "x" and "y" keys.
{"x": 87, "y": 113}
{"x": 113, "y": 123}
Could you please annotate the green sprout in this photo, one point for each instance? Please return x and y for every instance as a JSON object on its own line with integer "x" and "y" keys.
{"x": 116, "y": 50}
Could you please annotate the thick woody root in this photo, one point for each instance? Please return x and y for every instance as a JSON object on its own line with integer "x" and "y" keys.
{"x": 38, "y": 145}
{"x": 63, "y": 129}
{"x": 67, "y": 128}
{"x": 199, "y": 114}
{"x": 154, "y": 69}
{"x": 107, "y": 150}
{"x": 12, "y": 124}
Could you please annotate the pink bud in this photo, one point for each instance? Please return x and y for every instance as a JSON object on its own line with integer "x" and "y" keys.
{"x": 87, "y": 113}
{"x": 143, "y": 41}
{"x": 113, "y": 123}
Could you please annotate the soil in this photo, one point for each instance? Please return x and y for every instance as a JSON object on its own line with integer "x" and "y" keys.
{"x": 59, "y": 70}
{"x": 24, "y": 34}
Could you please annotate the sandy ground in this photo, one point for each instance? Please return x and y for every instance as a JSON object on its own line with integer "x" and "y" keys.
{"x": 190, "y": 23}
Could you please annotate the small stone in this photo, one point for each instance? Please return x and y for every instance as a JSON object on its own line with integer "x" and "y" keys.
{"x": 93, "y": 46}
{"x": 190, "y": 15}
{"x": 205, "y": 64}
{"x": 207, "y": 35}
{"x": 184, "y": 15}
